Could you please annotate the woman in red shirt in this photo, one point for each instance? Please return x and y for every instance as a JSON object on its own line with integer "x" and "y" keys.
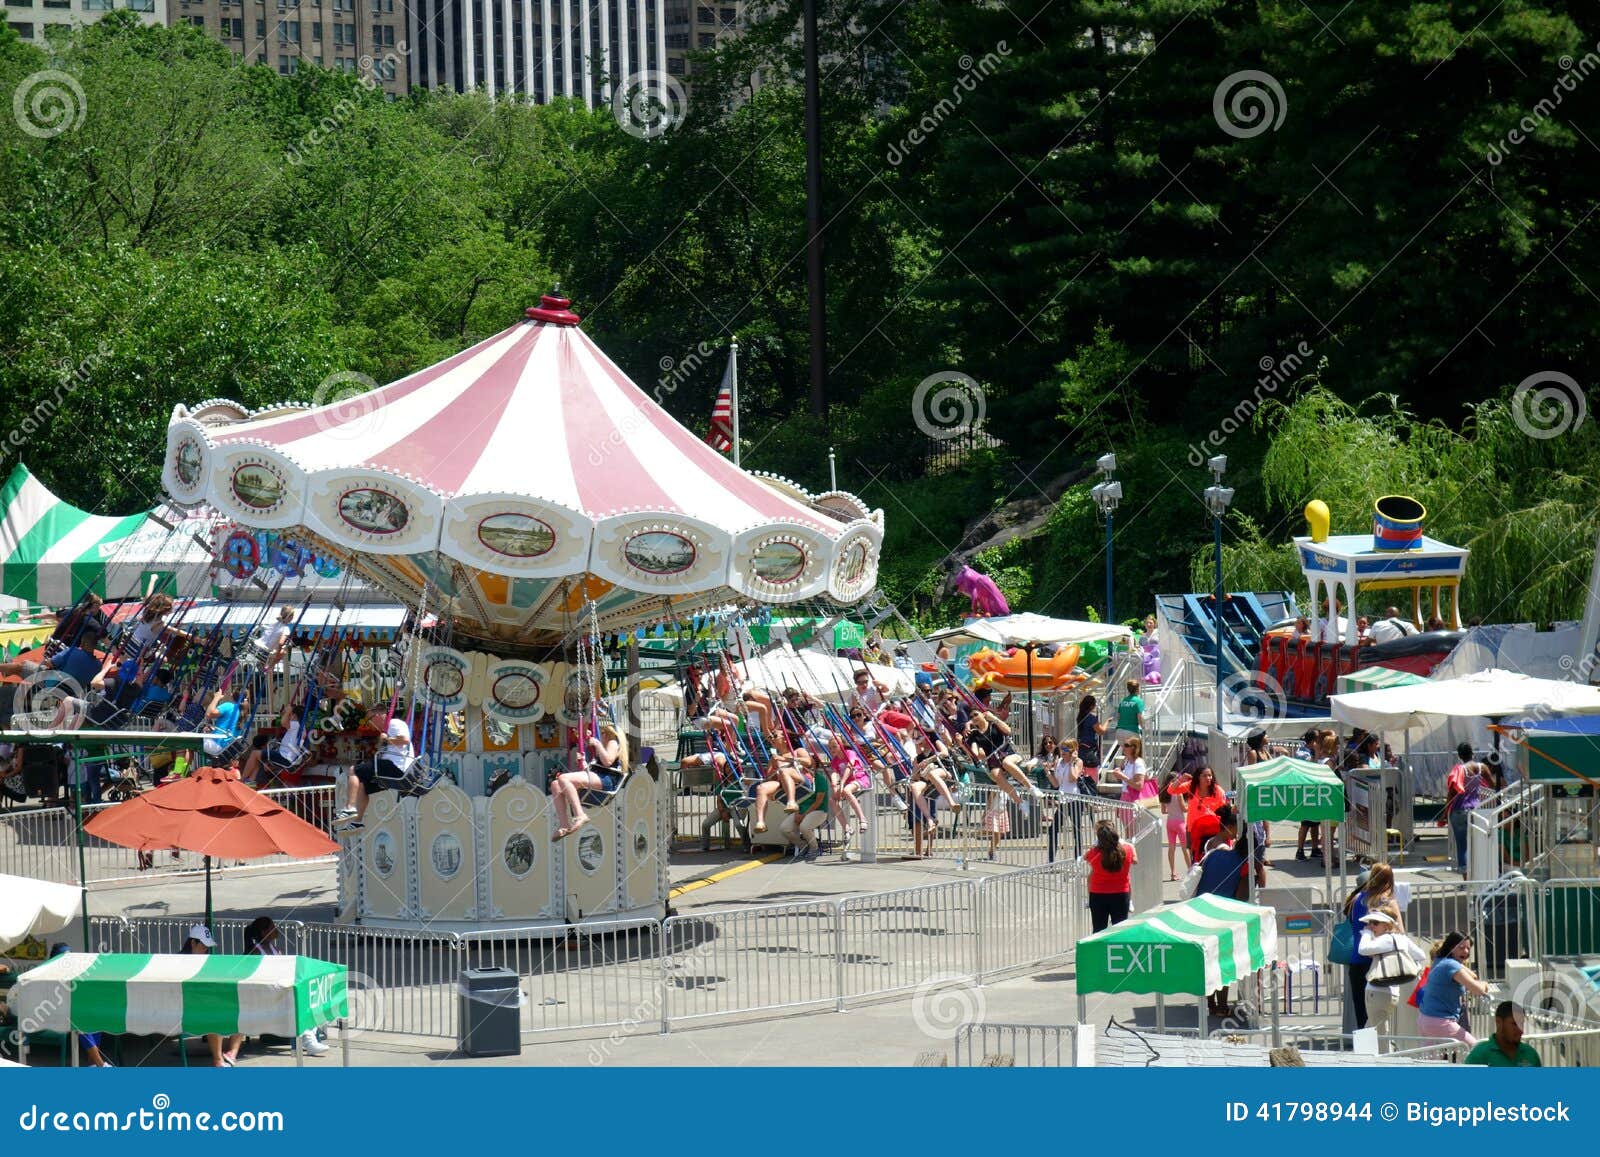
{"x": 1205, "y": 797}
{"x": 1110, "y": 863}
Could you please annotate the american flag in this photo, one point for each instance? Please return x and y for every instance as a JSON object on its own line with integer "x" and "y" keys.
{"x": 720, "y": 435}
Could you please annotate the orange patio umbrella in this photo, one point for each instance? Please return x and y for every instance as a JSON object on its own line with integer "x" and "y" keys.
{"x": 210, "y": 812}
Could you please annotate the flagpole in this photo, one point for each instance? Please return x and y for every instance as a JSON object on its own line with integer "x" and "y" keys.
{"x": 733, "y": 355}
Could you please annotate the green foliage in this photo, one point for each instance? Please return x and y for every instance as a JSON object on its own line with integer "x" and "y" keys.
{"x": 1038, "y": 195}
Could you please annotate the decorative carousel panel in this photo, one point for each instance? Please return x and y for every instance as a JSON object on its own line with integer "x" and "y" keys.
{"x": 350, "y": 848}
{"x": 494, "y": 763}
{"x": 467, "y": 773}
{"x": 447, "y": 855}
{"x": 854, "y": 571}
{"x": 373, "y": 512}
{"x": 779, "y": 564}
{"x": 661, "y": 553}
{"x": 591, "y": 865}
{"x": 577, "y": 689}
{"x": 516, "y": 691}
{"x": 386, "y": 858}
{"x": 188, "y": 466}
{"x": 256, "y": 486}
{"x": 845, "y": 507}
{"x": 539, "y": 767}
{"x": 519, "y": 852}
{"x": 510, "y": 535}
{"x": 639, "y": 829}
{"x": 444, "y": 674}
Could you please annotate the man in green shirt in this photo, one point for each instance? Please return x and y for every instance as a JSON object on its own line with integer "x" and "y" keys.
{"x": 1505, "y": 1050}
{"x": 1130, "y": 713}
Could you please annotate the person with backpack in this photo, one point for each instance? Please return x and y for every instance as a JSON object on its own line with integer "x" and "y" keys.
{"x": 1375, "y": 892}
{"x": 1465, "y": 789}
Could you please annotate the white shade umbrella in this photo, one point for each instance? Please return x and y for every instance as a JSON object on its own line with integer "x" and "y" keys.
{"x": 1487, "y": 694}
{"x": 30, "y": 907}
{"x": 1026, "y": 628}
{"x": 827, "y": 677}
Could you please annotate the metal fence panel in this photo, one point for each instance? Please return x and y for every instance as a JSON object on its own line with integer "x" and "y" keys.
{"x": 1031, "y": 917}
{"x": 1025, "y": 1045}
{"x": 772, "y": 957}
{"x": 910, "y": 938}
{"x": 401, "y": 980}
{"x": 596, "y": 975}
{"x": 41, "y": 843}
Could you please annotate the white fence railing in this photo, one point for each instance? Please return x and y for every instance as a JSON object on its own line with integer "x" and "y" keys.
{"x": 649, "y": 975}
{"x": 42, "y": 843}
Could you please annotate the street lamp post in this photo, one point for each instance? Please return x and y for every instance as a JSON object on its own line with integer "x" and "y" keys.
{"x": 1107, "y": 493}
{"x": 1218, "y": 498}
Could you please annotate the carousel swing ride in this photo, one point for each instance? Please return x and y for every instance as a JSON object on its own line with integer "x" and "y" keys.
{"x": 525, "y": 500}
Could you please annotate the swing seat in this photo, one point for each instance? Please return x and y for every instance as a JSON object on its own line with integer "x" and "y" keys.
{"x": 417, "y": 780}
{"x": 594, "y": 797}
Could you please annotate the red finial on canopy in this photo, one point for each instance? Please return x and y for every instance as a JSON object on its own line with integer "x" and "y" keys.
{"x": 553, "y": 310}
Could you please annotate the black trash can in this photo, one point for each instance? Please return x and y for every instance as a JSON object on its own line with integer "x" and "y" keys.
{"x": 490, "y": 1020}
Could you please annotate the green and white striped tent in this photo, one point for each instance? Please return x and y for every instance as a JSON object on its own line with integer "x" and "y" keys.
{"x": 51, "y": 552}
{"x": 1376, "y": 679}
{"x": 177, "y": 994}
{"x": 1193, "y": 948}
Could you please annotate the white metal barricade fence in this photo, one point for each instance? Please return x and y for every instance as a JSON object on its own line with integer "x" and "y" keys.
{"x": 42, "y": 843}
{"x": 594, "y": 975}
{"x": 1034, "y": 1046}
{"x": 647, "y": 975}
{"x": 776, "y": 956}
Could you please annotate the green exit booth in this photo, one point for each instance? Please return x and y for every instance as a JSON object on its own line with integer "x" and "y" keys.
{"x": 1188, "y": 949}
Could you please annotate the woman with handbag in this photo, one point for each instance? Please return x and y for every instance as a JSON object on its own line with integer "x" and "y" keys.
{"x": 1395, "y": 960}
{"x": 1377, "y": 891}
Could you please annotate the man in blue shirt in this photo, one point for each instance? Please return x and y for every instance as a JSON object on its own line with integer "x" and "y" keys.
{"x": 77, "y": 662}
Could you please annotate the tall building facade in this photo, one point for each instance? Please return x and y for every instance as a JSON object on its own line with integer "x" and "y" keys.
{"x": 30, "y": 18}
{"x": 696, "y": 26}
{"x": 538, "y": 49}
{"x": 365, "y": 37}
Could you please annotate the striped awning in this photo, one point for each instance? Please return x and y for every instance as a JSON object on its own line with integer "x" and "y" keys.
{"x": 51, "y": 552}
{"x": 167, "y": 995}
{"x": 525, "y": 479}
{"x": 1193, "y": 948}
{"x": 1376, "y": 678}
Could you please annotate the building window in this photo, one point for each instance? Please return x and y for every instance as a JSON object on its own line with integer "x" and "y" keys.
{"x": 198, "y": 21}
{"x": 141, "y": 5}
{"x": 316, "y": 34}
{"x": 383, "y": 36}
{"x": 677, "y": 14}
{"x": 677, "y": 40}
{"x": 289, "y": 32}
{"x": 22, "y": 29}
{"x": 261, "y": 27}
{"x": 730, "y": 16}
{"x": 97, "y": 5}
{"x": 261, "y": 58}
{"x": 58, "y": 3}
{"x": 708, "y": 40}
{"x": 234, "y": 27}
{"x": 675, "y": 65}
{"x": 19, "y": 4}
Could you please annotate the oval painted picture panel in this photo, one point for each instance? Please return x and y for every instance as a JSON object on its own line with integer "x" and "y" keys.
{"x": 186, "y": 462}
{"x": 779, "y": 562}
{"x": 373, "y": 511}
{"x": 855, "y": 563}
{"x": 659, "y": 552}
{"x": 445, "y": 679}
{"x": 516, "y": 535}
{"x": 516, "y": 691}
{"x": 257, "y": 487}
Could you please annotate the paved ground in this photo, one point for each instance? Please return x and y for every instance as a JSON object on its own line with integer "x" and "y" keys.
{"x": 890, "y": 1033}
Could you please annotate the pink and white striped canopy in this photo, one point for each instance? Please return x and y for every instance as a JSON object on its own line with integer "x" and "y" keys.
{"x": 528, "y": 459}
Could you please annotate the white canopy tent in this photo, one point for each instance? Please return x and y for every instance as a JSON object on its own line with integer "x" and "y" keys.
{"x": 30, "y": 907}
{"x": 1483, "y": 694}
{"x": 1026, "y": 628}
{"x": 827, "y": 677}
